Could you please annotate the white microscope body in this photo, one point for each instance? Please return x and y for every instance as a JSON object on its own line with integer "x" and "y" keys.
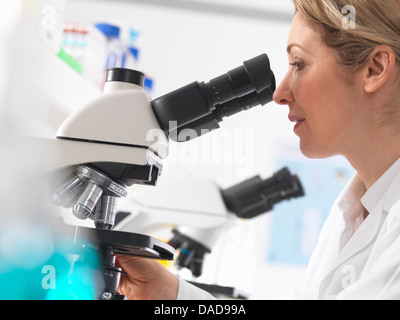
{"x": 118, "y": 127}
{"x": 194, "y": 205}
{"x": 104, "y": 147}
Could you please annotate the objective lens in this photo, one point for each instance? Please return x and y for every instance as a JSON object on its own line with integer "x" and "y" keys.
{"x": 66, "y": 194}
{"x": 86, "y": 203}
{"x": 105, "y": 215}
{"x": 185, "y": 256}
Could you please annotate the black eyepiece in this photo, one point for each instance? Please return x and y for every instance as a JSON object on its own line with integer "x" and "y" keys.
{"x": 256, "y": 196}
{"x": 256, "y": 71}
{"x": 199, "y": 107}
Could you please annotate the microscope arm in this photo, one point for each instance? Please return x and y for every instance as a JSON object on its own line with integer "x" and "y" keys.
{"x": 66, "y": 153}
{"x": 194, "y": 209}
{"x": 194, "y": 203}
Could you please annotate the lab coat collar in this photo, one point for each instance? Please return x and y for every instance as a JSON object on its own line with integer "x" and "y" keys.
{"x": 392, "y": 195}
{"x": 374, "y": 194}
{"x": 364, "y": 235}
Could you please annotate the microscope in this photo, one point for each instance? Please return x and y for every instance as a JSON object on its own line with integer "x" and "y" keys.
{"x": 200, "y": 211}
{"x": 121, "y": 138}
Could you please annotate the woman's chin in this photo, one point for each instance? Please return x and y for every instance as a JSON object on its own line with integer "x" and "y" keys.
{"x": 313, "y": 151}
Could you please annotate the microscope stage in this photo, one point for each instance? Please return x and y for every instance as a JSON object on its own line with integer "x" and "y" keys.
{"x": 125, "y": 243}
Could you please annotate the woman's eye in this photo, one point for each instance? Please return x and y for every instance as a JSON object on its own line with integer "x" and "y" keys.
{"x": 299, "y": 65}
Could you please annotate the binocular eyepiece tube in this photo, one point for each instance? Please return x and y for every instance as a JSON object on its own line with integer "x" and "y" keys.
{"x": 255, "y": 196}
{"x": 201, "y": 106}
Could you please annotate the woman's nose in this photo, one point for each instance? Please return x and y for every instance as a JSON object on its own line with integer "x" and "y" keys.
{"x": 283, "y": 94}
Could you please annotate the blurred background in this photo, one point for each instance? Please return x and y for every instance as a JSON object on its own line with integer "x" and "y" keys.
{"x": 53, "y": 58}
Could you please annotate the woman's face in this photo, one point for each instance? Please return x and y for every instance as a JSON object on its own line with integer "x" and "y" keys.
{"x": 323, "y": 101}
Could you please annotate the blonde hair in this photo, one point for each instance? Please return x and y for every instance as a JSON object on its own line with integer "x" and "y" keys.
{"x": 377, "y": 23}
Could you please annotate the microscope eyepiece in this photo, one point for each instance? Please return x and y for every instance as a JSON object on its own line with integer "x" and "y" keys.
{"x": 254, "y": 75}
{"x": 255, "y": 69}
{"x": 256, "y": 196}
{"x": 199, "y": 107}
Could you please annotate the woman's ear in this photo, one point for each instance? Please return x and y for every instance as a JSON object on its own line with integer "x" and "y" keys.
{"x": 378, "y": 68}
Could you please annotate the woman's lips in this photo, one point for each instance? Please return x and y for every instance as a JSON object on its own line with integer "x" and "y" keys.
{"x": 299, "y": 121}
{"x": 298, "y": 124}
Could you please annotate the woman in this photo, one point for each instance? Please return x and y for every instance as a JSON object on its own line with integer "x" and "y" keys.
{"x": 342, "y": 89}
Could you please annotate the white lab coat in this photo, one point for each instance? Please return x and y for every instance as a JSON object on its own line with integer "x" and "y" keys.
{"x": 357, "y": 259}
{"x": 354, "y": 258}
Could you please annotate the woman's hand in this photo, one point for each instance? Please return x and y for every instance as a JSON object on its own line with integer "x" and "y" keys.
{"x": 146, "y": 279}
